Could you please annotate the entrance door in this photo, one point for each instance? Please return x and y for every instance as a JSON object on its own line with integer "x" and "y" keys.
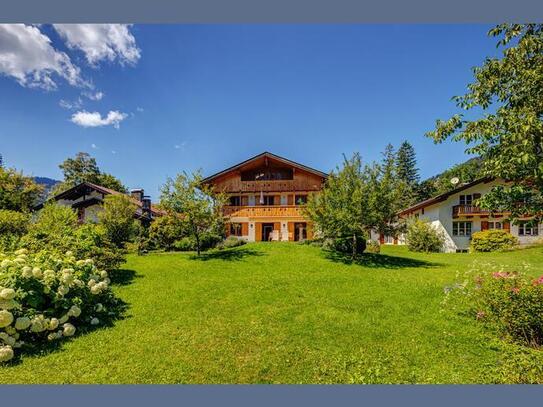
{"x": 300, "y": 231}
{"x": 267, "y": 230}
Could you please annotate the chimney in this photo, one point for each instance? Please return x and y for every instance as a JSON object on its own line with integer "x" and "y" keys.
{"x": 137, "y": 194}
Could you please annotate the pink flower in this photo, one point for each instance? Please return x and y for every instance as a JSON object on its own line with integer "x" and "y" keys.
{"x": 515, "y": 290}
{"x": 502, "y": 274}
{"x": 538, "y": 281}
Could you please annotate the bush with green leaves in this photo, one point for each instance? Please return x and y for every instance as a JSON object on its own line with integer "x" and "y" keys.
{"x": 492, "y": 240}
{"x": 423, "y": 237}
{"x": 13, "y": 222}
{"x": 56, "y": 229}
{"x": 165, "y": 231}
{"x": 373, "y": 246}
{"x": 117, "y": 219}
{"x": 45, "y": 297}
{"x": 510, "y": 302}
{"x": 229, "y": 242}
{"x": 345, "y": 245}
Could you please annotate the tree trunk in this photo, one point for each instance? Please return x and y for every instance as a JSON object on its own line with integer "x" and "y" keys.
{"x": 198, "y": 245}
{"x": 354, "y": 246}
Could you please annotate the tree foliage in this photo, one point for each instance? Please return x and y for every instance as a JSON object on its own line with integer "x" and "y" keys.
{"x": 17, "y": 191}
{"x": 407, "y": 164}
{"x": 117, "y": 218}
{"x": 83, "y": 168}
{"x": 199, "y": 207}
{"x": 509, "y": 135}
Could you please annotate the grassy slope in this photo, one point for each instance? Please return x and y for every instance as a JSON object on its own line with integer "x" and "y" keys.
{"x": 280, "y": 313}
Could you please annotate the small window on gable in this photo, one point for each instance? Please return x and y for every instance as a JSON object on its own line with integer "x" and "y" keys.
{"x": 466, "y": 199}
{"x": 422, "y": 211}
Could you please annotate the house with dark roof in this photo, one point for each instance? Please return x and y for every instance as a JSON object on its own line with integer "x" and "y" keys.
{"x": 87, "y": 199}
{"x": 266, "y": 194}
{"x": 456, "y": 214}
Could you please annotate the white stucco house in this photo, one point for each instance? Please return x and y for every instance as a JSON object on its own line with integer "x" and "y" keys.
{"x": 455, "y": 214}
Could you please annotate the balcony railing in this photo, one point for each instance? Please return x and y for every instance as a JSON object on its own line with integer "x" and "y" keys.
{"x": 472, "y": 210}
{"x": 271, "y": 186}
{"x": 263, "y": 211}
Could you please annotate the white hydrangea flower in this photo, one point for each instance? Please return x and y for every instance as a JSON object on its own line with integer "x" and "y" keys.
{"x": 22, "y": 323}
{"x": 67, "y": 278}
{"x": 80, "y": 262}
{"x": 26, "y": 272}
{"x": 37, "y": 273}
{"x": 49, "y": 274}
{"x": 103, "y": 274}
{"x": 53, "y": 324}
{"x": 20, "y": 260}
{"x": 69, "y": 329}
{"x": 91, "y": 283}
{"x": 38, "y": 324}
{"x": 11, "y": 331}
{"x": 6, "y": 353}
{"x": 7, "y": 339}
{"x": 89, "y": 261}
{"x": 69, "y": 253}
{"x": 95, "y": 321}
{"x": 63, "y": 290}
{"x": 6, "y": 318}
{"x": 79, "y": 283}
{"x": 21, "y": 251}
{"x": 7, "y": 293}
{"x": 74, "y": 311}
{"x": 6, "y": 263}
{"x": 8, "y": 304}
{"x": 63, "y": 319}
{"x": 95, "y": 289}
{"x": 18, "y": 344}
{"x": 98, "y": 307}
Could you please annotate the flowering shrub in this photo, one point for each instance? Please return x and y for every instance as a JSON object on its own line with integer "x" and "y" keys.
{"x": 45, "y": 297}
{"x": 492, "y": 240}
{"x": 509, "y": 301}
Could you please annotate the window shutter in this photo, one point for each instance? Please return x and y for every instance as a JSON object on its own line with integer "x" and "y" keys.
{"x": 484, "y": 225}
{"x": 507, "y": 226}
{"x": 244, "y": 229}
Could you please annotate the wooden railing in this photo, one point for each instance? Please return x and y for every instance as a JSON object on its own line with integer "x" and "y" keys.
{"x": 272, "y": 186}
{"x": 263, "y": 211}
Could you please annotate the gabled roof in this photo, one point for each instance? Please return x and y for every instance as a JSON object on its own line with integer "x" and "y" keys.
{"x": 76, "y": 190}
{"x": 444, "y": 196}
{"x": 264, "y": 155}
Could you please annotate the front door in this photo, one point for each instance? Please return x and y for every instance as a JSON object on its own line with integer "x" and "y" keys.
{"x": 267, "y": 230}
{"x": 300, "y": 231}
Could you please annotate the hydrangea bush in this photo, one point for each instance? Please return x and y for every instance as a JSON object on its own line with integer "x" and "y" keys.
{"x": 511, "y": 302}
{"x": 46, "y": 297}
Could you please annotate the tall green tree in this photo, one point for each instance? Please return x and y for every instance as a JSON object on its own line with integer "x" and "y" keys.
{"x": 117, "y": 218}
{"x": 17, "y": 191}
{"x": 508, "y": 135}
{"x": 406, "y": 159}
{"x": 196, "y": 204}
{"x": 83, "y": 168}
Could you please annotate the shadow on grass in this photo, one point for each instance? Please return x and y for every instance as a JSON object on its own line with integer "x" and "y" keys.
{"x": 233, "y": 254}
{"x": 374, "y": 260}
{"x": 123, "y": 276}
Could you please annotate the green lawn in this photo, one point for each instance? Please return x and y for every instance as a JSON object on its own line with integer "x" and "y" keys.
{"x": 281, "y": 313}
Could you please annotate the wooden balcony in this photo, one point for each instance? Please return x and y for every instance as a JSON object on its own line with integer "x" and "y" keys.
{"x": 472, "y": 210}
{"x": 265, "y": 211}
{"x": 271, "y": 186}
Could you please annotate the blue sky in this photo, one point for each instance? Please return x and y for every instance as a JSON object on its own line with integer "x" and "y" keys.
{"x": 209, "y": 96}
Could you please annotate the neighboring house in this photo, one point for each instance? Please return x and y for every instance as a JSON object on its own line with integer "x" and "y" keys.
{"x": 87, "y": 198}
{"x": 265, "y": 197}
{"x": 455, "y": 214}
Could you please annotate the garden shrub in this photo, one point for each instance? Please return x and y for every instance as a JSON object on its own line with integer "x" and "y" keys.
{"x": 423, "y": 237}
{"x": 185, "y": 244}
{"x": 492, "y": 240}
{"x": 229, "y": 242}
{"x": 45, "y": 297}
{"x": 344, "y": 245}
{"x": 56, "y": 229}
{"x": 117, "y": 219}
{"x": 165, "y": 231}
{"x": 511, "y": 302}
{"x": 13, "y": 223}
{"x": 373, "y": 246}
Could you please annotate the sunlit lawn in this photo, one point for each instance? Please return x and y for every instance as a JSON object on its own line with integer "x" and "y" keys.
{"x": 280, "y": 313}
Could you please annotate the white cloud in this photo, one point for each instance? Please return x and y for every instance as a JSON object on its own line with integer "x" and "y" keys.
{"x": 94, "y": 96}
{"x": 180, "y": 146}
{"x": 139, "y": 109}
{"x": 94, "y": 146}
{"x": 28, "y": 56}
{"x": 71, "y": 105}
{"x": 113, "y": 152}
{"x": 101, "y": 42}
{"x": 95, "y": 119}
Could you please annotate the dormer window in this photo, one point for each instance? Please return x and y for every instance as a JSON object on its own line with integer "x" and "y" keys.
{"x": 466, "y": 199}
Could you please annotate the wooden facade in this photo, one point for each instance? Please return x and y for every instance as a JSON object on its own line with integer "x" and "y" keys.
{"x": 266, "y": 197}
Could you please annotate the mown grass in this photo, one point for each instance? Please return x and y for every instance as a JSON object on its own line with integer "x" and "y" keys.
{"x": 281, "y": 313}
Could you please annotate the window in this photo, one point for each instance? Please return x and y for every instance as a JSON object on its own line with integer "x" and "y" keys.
{"x": 461, "y": 228}
{"x": 235, "y": 229}
{"x": 300, "y": 199}
{"x": 267, "y": 200}
{"x": 235, "y": 201}
{"x": 495, "y": 225}
{"x": 527, "y": 228}
{"x": 466, "y": 199}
